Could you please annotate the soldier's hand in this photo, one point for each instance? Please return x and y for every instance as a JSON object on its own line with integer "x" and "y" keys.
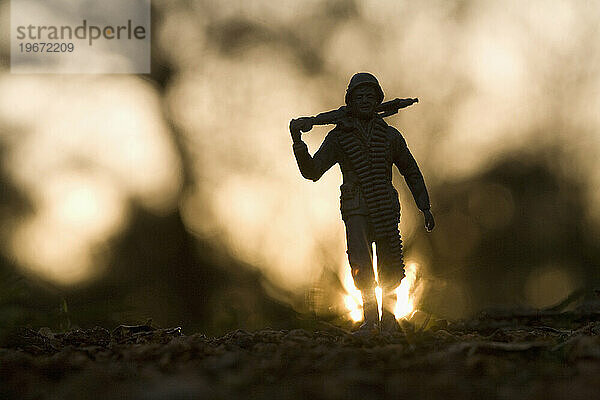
{"x": 429, "y": 221}
{"x": 299, "y": 125}
{"x": 295, "y": 131}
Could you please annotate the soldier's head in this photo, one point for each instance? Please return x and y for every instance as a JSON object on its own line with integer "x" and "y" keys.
{"x": 363, "y": 95}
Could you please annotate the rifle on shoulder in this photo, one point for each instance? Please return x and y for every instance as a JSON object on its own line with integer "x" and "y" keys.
{"x": 383, "y": 110}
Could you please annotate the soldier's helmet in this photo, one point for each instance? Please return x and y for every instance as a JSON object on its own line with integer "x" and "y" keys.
{"x": 363, "y": 78}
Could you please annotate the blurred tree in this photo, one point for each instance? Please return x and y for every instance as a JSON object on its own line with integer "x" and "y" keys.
{"x": 499, "y": 229}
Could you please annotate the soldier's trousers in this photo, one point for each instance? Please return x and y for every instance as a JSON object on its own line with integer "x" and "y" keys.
{"x": 359, "y": 239}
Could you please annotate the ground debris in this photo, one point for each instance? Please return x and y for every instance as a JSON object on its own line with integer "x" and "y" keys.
{"x": 524, "y": 355}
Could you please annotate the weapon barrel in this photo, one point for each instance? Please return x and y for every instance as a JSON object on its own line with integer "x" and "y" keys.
{"x": 396, "y": 104}
{"x": 391, "y": 107}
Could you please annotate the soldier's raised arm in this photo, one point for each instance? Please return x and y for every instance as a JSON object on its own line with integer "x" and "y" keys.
{"x": 313, "y": 167}
{"x": 407, "y": 165}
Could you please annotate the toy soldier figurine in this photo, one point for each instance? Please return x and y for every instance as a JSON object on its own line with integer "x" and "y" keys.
{"x": 365, "y": 147}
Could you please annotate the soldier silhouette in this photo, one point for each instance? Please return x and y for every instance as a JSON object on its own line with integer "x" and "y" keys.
{"x": 365, "y": 147}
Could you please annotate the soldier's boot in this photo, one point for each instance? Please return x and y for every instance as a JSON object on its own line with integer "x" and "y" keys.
{"x": 388, "y": 319}
{"x": 370, "y": 312}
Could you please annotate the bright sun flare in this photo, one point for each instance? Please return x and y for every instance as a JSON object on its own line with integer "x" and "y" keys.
{"x": 404, "y": 293}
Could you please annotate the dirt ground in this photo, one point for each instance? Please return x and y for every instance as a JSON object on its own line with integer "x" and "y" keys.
{"x": 499, "y": 355}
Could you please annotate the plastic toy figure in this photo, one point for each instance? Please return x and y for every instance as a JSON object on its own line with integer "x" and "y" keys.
{"x": 365, "y": 147}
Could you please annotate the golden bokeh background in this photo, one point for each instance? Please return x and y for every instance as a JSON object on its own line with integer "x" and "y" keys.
{"x": 104, "y": 174}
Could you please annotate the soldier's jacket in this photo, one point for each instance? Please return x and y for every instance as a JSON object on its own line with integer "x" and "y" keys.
{"x": 351, "y": 199}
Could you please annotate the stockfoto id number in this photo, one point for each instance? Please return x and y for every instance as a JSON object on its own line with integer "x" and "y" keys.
{"x": 43, "y": 47}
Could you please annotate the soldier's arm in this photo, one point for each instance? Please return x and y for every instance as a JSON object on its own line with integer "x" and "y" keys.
{"x": 314, "y": 167}
{"x": 408, "y": 167}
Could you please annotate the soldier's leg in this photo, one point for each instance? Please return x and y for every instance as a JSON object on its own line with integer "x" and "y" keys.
{"x": 390, "y": 272}
{"x": 360, "y": 254}
{"x": 360, "y": 257}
